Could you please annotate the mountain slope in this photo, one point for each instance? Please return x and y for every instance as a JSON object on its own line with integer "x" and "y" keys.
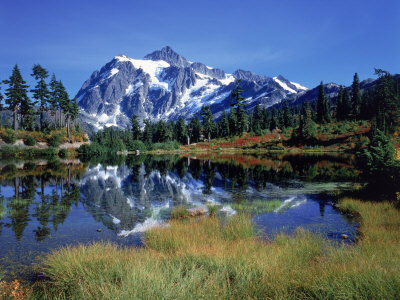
{"x": 165, "y": 85}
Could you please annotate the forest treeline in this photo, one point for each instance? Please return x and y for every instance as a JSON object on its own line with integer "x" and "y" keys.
{"x": 50, "y": 106}
{"x": 379, "y": 105}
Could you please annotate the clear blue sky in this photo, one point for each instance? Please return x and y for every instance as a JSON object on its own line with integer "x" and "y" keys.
{"x": 306, "y": 41}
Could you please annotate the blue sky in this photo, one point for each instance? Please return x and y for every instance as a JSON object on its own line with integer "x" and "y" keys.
{"x": 306, "y": 41}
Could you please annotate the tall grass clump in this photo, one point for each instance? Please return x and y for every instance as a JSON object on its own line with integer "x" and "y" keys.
{"x": 210, "y": 258}
{"x": 179, "y": 212}
{"x": 212, "y": 209}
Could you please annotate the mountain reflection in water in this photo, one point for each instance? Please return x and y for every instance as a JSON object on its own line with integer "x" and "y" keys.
{"x": 46, "y": 205}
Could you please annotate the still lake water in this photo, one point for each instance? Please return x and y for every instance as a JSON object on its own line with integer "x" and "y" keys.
{"x": 47, "y": 205}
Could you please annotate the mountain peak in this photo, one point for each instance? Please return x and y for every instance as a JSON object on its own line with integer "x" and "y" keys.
{"x": 170, "y": 56}
{"x": 250, "y": 76}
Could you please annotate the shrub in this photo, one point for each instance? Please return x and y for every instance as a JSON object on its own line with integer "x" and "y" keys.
{"x": 92, "y": 149}
{"x": 165, "y": 146}
{"x": 55, "y": 140}
{"x": 29, "y": 141}
{"x": 180, "y": 212}
{"x": 9, "y": 136}
{"x": 134, "y": 145}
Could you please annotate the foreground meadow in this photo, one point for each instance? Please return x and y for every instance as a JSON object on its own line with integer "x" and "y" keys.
{"x": 210, "y": 258}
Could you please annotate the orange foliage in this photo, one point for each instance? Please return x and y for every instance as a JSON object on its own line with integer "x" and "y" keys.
{"x": 13, "y": 290}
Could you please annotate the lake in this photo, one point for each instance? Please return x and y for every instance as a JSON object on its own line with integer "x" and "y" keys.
{"x": 46, "y": 205}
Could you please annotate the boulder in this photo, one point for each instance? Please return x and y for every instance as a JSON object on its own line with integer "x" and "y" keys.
{"x": 197, "y": 211}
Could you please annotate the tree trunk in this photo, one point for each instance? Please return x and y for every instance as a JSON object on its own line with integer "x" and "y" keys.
{"x": 41, "y": 119}
{"x": 15, "y": 114}
{"x": 55, "y": 119}
{"x": 68, "y": 130}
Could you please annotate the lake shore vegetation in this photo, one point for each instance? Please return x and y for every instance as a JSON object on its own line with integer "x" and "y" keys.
{"x": 209, "y": 258}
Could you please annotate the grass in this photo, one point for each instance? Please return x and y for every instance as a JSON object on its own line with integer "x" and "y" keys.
{"x": 213, "y": 209}
{"x": 180, "y": 212}
{"x": 212, "y": 259}
{"x": 256, "y": 206}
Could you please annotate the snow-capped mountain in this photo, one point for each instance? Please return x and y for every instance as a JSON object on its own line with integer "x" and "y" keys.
{"x": 165, "y": 85}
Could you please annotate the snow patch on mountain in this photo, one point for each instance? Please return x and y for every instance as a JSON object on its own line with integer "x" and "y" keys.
{"x": 299, "y": 86}
{"x": 284, "y": 85}
{"x": 152, "y": 68}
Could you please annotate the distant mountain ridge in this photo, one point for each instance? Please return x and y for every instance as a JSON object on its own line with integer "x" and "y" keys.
{"x": 165, "y": 85}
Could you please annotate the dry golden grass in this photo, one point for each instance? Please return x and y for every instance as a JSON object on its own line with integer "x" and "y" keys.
{"x": 211, "y": 259}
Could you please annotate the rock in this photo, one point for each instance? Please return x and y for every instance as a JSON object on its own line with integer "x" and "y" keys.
{"x": 344, "y": 236}
{"x": 197, "y": 211}
{"x": 99, "y": 230}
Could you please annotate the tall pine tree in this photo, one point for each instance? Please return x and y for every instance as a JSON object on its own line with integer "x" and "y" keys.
{"x": 16, "y": 94}
{"x": 386, "y": 102}
{"x": 209, "y": 126}
{"x": 355, "y": 97}
{"x": 323, "y": 107}
{"x": 241, "y": 125}
{"x": 287, "y": 116}
{"x": 136, "y": 132}
{"x": 54, "y": 97}
{"x": 194, "y": 128}
{"x": 41, "y": 92}
{"x": 63, "y": 102}
{"x": 307, "y": 128}
{"x": 181, "y": 131}
{"x": 257, "y": 120}
{"x": 232, "y": 118}
{"x": 148, "y": 132}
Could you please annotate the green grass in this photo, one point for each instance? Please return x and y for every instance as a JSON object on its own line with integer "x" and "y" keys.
{"x": 256, "y": 206}
{"x": 179, "y": 213}
{"x": 208, "y": 258}
{"x": 213, "y": 209}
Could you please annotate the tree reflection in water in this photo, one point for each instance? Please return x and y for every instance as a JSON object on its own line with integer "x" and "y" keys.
{"x": 124, "y": 193}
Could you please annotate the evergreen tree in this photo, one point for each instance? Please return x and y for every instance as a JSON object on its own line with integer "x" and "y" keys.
{"x": 71, "y": 113}
{"x": 232, "y": 118}
{"x": 182, "y": 132}
{"x": 257, "y": 118}
{"x": 386, "y": 102}
{"x": 160, "y": 133}
{"x": 16, "y": 94}
{"x": 323, "y": 107}
{"x": 223, "y": 125}
{"x": 346, "y": 105}
{"x": 339, "y": 105}
{"x": 267, "y": 117}
{"x": 238, "y": 103}
{"x": 287, "y": 117}
{"x": 365, "y": 113}
{"x": 274, "y": 123}
{"x": 41, "y": 92}
{"x": 54, "y": 97}
{"x": 355, "y": 97}
{"x": 136, "y": 132}
{"x": 74, "y": 109}
{"x": 194, "y": 128}
{"x": 209, "y": 126}
{"x": 63, "y": 101}
{"x": 307, "y": 128}
{"x": 28, "y": 114}
{"x": 148, "y": 132}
